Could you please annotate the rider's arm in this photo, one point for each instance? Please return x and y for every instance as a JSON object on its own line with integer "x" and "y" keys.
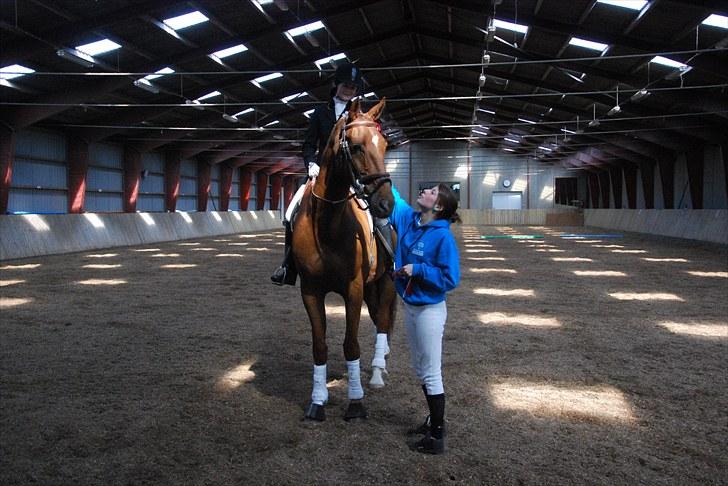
{"x": 311, "y": 140}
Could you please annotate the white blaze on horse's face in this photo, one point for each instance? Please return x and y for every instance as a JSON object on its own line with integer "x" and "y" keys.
{"x": 375, "y": 140}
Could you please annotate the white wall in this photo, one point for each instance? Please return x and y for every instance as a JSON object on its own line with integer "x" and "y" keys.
{"x": 479, "y": 171}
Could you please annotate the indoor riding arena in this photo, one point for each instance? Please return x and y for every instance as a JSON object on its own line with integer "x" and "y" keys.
{"x": 149, "y": 151}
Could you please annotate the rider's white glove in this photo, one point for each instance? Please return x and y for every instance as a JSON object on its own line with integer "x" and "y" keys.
{"x": 313, "y": 169}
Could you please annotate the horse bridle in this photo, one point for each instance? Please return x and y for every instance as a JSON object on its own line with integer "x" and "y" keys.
{"x": 360, "y": 183}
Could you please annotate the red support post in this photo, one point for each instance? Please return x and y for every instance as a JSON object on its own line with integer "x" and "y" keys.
{"x": 696, "y": 166}
{"x": 630, "y": 182}
{"x": 77, "y": 170}
{"x": 226, "y": 186}
{"x": 261, "y": 187}
{"x": 275, "y": 191}
{"x": 7, "y": 155}
{"x": 172, "y": 165}
{"x": 203, "y": 184}
{"x": 289, "y": 189}
{"x": 132, "y": 177}
{"x": 246, "y": 178}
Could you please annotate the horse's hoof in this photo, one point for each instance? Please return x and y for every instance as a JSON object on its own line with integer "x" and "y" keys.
{"x": 377, "y": 379}
{"x": 355, "y": 410}
{"x": 315, "y": 412}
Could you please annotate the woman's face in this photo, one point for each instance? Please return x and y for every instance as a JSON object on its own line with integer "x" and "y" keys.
{"x": 345, "y": 91}
{"x": 427, "y": 198}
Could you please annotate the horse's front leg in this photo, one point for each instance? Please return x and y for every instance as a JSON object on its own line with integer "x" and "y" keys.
{"x": 381, "y": 300}
{"x": 313, "y": 300}
{"x": 352, "y": 353}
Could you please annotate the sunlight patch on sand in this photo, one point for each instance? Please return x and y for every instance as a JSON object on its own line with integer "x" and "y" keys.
{"x": 102, "y": 281}
{"x": 166, "y": 255}
{"x": 102, "y": 255}
{"x": 204, "y": 249}
{"x": 645, "y": 296}
{"x": 607, "y": 246}
{"x": 236, "y": 376}
{"x": 570, "y": 403}
{"x": 26, "y": 266}
{"x": 701, "y": 330}
{"x": 5, "y": 283}
{"x": 493, "y": 270}
{"x": 670, "y": 260}
{"x": 629, "y": 251}
{"x": 6, "y": 302}
{"x": 245, "y": 243}
{"x": 229, "y": 255}
{"x": 188, "y": 244}
{"x": 708, "y": 274}
{"x": 599, "y": 273}
{"x": 501, "y": 319}
{"x": 571, "y": 259}
{"x": 488, "y": 259}
{"x": 101, "y": 266}
{"x": 550, "y": 250}
{"x": 143, "y": 250}
{"x": 481, "y": 250}
{"x": 258, "y": 249}
{"x": 179, "y": 265}
{"x": 505, "y": 293}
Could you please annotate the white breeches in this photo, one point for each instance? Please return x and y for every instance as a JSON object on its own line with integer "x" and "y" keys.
{"x": 425, "y": 327}
{"x": 295, "y": 201}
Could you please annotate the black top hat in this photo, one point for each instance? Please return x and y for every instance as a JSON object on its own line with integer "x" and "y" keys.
{"x": 348, "y": 73}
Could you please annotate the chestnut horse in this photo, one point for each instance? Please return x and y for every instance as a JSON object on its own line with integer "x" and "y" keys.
{"x": 335, "y": 250}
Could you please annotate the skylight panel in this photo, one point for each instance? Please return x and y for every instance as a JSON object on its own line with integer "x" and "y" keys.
{"x": 209, "y": 95}
{"x": 98, "y": 47}
{"x": 512, "y": 140}
{"x": 502, "y": 24}
{"x": 326, "y": 60}
{"x": 628, "y": 4}
{"x": 479, "y": 132}
{"x": 508, "y": 149}
{"x": 244, "y": 112}
{"x": 159, "y": 74}
{"x": 185, "y": 20}
{"x": 669, "y": 62}
{"x": 270, "y": 124}
{"x": 542, "y": 147}
{"x": 594, "y": 46}
{"x": 716, "y": 20}
{"x": 527, "y": 121}
{"x": 490, "y": 112}
{"x": 14, "y": 71}
{"x": 262, "y": 79}
{"x": 230, "y": 51}
{"x": 313, "y": 26}
{"x": 292, "y": 97}
{"x": 307, "y": 113}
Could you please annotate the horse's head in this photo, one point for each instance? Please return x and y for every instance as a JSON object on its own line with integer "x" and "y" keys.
{"x": 359, "y": 141}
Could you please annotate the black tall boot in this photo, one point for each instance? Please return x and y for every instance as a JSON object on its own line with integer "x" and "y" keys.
{"x": 286, "y": 274}
{"x": 434, "y": 440}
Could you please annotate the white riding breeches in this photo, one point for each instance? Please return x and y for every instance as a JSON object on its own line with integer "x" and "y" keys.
{"x": 425, "y": 327}
{"x": 295, "y": 201}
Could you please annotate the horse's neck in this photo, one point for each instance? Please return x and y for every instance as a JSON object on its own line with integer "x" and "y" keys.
{"x": 333, "y": 185}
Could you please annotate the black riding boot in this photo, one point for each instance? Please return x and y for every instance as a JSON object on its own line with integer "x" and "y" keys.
{"x": 286, "y": 274}
{"x": 434, "y": 440}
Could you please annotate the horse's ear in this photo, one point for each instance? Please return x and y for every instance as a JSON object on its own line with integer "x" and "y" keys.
{"x": 355, "y": 108}
{"x": 376, "y": 111}
{"x": 335, "y": 137}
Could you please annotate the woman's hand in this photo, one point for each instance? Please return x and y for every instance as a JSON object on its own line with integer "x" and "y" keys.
{"x": 405, "y": 271}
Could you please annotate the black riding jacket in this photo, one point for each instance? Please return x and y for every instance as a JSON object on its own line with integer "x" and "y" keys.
{"x": 319, "y": 127}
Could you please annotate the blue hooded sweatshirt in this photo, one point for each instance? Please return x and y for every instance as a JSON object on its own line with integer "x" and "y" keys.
{"x": 430, "y": 248}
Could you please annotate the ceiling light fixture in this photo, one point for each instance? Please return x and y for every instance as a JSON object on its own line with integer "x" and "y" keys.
{"x": 616, "y": 108}
{"x": 594, "y": 122}
{"x": 76, "y": 56}
{"x": 640, "y": 95}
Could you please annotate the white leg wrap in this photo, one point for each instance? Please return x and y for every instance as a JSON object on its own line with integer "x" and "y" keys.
{"x": 381, "y": 348}
{"x": 320, "y": 394}
{"x": 356, "y": 392}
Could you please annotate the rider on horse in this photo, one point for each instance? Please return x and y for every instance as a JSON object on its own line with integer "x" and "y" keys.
{"x": 348, "y": 84}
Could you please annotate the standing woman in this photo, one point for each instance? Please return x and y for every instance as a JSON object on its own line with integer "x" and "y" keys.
{"x": 428, "y": 266}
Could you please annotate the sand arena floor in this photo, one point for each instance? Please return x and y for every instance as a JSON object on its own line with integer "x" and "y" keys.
{"x": 600, "y": 360}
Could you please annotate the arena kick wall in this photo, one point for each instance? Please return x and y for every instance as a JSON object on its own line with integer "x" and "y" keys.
{"x": 29, "y": 235}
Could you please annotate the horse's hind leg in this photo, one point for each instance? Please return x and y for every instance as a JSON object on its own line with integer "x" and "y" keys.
{"x": 352, "y": 353}
{"x": 381, "y": 301}
{"x": 314, "y": 302}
